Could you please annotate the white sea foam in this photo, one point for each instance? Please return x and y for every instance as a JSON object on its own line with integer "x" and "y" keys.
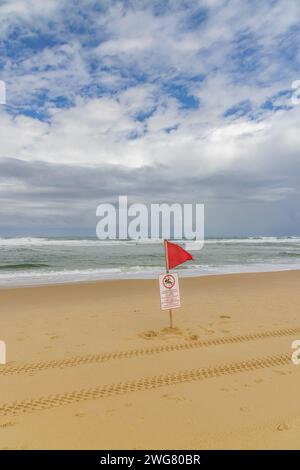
{"x": 135, "y": 272}
{"x": 259, "y": 240}
{"x": 36, "y": 241}
{"x": 31, "y": 241}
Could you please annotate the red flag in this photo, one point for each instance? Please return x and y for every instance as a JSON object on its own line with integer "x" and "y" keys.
{"x": 176, "y": 254}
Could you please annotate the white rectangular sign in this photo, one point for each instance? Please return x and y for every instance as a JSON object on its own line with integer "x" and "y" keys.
{"x": 169, "y": 291}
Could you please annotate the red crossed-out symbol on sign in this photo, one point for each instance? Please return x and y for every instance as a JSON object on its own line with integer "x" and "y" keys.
{"x": 169, "y": 281}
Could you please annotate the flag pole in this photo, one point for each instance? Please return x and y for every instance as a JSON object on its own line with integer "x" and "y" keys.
{"x": 167, "y": 270}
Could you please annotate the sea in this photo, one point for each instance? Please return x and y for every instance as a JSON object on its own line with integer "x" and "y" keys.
{"x": 31, "y": 261}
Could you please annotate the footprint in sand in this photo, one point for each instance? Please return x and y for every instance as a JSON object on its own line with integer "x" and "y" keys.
{"x": 79, "y": 415}
{"x": 192, "y": 337}
{"x": 245, "y": 409}
{"x": 229, "y": 390}
{"x": 8, "y": 424}
{"x": 167, "y": 333}
{"x": 110, "y": 410}
{"x": 209, "y": 332}
{"x": 282, "y": 427}
{"x": 150, "y": 334}
{"x": 280, "y": 372}
{"x": 173, "y": 397}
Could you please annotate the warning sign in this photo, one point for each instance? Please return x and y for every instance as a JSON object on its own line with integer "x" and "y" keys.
{"x": 169, "y": 291}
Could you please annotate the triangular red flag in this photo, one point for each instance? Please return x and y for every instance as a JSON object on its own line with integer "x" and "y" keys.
{"x": 176, "y": 254}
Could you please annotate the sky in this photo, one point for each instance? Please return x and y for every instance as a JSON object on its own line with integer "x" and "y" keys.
{"x": 162, "y": 101}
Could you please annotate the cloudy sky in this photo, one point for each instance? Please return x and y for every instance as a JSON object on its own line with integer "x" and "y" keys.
{"x": 163, "y": 101}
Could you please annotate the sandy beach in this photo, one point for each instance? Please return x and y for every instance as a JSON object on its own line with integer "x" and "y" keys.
{"x": 95, "y": 366}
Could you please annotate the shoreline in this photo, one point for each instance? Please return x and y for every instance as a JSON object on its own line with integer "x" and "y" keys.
{"x": 183, "y": 274}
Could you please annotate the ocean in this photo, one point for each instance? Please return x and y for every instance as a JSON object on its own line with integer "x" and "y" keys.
{"x": 33, "y": 261}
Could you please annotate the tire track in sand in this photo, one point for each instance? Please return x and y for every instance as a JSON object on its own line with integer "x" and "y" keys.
{"x": 141, "y": 384}
{"x": 133, "y": 353}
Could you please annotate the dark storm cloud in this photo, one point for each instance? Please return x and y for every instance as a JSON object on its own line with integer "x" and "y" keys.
{"x": 58, "y": 198}
{"x": 51, "y": 183}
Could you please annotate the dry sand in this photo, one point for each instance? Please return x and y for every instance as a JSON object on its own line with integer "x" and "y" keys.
{"x": 95, "y": 366}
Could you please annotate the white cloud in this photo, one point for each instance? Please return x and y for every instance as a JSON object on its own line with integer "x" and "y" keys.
{"x": 26, "y": 12}
{"x": 128, "y": 88}
{"x": 96, "y": 132}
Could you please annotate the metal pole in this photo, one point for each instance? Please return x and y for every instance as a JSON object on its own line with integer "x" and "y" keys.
{"x": 167, "y": 270}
